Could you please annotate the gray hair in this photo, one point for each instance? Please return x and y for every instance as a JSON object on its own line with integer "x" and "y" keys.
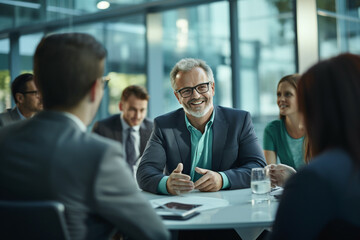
{"x": 186, "y": 65}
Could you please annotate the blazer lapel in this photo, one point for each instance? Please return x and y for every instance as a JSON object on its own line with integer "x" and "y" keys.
{"x": 182, "y": 138}
{"x": 220, "y": 129}
{"x": 144, "y": 137}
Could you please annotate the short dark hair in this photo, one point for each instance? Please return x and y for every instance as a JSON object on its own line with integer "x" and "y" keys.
{"x": 66, "y": 66}
{"x": 19, "y": 84}
{"x": 293, "y": 80}
{"x": 137, "y": 91}
{"x": 328, "y": 97}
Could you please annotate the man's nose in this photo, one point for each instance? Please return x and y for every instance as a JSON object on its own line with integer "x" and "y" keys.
{"x": 195, "y": 94}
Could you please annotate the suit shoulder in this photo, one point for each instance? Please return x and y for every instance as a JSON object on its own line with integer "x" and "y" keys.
{"x": 148, "y": 121}
{"x": 228, "y": 110}
{"x": 170, "y": 116}
{"x": 232, "y": 114}
{"x": 98, "y": 141}
{"x": 109, "y": 119}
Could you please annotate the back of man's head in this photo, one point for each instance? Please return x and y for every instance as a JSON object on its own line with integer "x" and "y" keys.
{"x": 19, "y": 84}
{"x": 66, "y": 66}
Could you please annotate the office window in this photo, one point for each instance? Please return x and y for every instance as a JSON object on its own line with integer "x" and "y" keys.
{"x": 197, "y": 32}
{"x": 124, "y": 40}
{"x": 267, "y": 52}
{"x": 339, "y": 27}
{"x": 5, "y": 92}
{"x": 27, "y": 47}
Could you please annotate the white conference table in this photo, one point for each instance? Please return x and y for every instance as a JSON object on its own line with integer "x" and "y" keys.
{"x": 248, "y": 219}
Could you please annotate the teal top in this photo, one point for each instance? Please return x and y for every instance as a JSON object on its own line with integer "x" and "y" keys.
{"x": 289, "y": 150}
{"x": 201, "y": 153}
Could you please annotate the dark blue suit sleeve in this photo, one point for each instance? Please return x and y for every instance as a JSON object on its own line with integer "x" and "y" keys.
{"x": 250, "y": 155}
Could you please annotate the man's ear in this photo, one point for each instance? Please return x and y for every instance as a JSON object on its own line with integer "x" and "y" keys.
{"x": 121, "y": 107}
{"x": 19, "y": 97}
{"x": 93, "y": 91}
{"x": 213, "y": 87}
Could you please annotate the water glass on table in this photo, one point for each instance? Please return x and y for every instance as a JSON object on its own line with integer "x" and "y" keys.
{"x": 260, "y": 185}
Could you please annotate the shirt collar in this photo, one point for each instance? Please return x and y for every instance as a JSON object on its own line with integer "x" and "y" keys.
{"x": 77, "y": 121}
{"x": 21, "y": 116}
{"x": 126, "y": 126}
{"x": 208, "y": 124}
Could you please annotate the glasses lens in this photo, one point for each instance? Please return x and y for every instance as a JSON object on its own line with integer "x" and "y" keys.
{"x": 202, "y": 88}
{"x": 186, "y": 92}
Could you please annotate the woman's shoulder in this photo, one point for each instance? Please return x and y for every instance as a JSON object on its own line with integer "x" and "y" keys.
{"x": 274, "y": 125}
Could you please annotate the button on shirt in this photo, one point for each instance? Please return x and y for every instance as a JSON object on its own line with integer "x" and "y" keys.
{"x": 201, "y": 153}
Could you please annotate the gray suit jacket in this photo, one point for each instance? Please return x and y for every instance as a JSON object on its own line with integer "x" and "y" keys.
{"x": 111, "y": 127}
{"x": 10, "y": 116}
{"x": 235, "y": 148}
{"x": 49, "y": 158}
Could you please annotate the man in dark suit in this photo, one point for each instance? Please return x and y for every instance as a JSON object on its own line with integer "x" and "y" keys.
{"x": 199, "y": 146}
{"x": 26, "y": 97}
{"x": 52, "y": 157}
{"x": 130, "y": 128}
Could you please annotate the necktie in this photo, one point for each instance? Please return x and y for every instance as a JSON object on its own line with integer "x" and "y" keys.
{"x": 130, "y": 147}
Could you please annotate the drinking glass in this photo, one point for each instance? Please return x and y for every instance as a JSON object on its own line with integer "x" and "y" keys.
{"x": 260, "y": 185}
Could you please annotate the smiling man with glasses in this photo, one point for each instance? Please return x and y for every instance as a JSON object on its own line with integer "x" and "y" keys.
{"x": 27, "y": 100}
{"x": 199, "y": 146}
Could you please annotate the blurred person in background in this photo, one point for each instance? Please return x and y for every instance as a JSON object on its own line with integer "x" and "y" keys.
{"x": 131, "y": 127}
{"x": 322, "y": 200}
{"x": 284, "y": 138}
{"x": 27, "y": 100}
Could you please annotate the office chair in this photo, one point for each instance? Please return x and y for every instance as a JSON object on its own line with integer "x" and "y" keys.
{"x": 32, "y": 220}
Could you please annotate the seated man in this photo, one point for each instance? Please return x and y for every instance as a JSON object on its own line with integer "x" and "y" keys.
{"x": 26, "y": 97}
{"x": 130, "y": 128}
{"x": 52, "y": 157}
{"x": 199, "y": 146}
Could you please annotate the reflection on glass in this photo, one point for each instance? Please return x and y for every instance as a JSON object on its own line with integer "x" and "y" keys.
{"x": 198, "y": 32}
{"x": 125, "y": 63}
{"x": 5, "y": 93}
{"x": 267, "y": 53}
{"x": 28, "y": 44}
{"x": 339, "y": 27}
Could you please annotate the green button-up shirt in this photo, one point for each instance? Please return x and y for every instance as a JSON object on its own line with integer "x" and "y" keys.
{"x": 201, "y": 153}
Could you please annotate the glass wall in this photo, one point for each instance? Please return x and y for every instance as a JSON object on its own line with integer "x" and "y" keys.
{"x": 267, "y": 53}
{"x": 266, "y": 43}
{"x": 27, "y": 47}
{"x": 339, "y": 27}
{"x": 23, "y": 13}
{"x": 125, "y": 64}
{"x": 198, "y": 32}
{"x": 5, "y": 93}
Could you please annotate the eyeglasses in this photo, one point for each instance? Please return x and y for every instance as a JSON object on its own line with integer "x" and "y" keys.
{"x": 35, "y": 92}
{"x": 188, "y": 91}
{"x": 105, "y": 80}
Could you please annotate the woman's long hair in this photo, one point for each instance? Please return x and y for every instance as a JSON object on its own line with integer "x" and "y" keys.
{"x": 328, "y": 98}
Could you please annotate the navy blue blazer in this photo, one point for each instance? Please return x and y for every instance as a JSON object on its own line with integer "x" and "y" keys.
{"x": 235, "y": 148}
{"x": 111, "y": 127}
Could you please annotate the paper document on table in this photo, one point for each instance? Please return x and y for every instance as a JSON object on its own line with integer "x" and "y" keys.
{"x": 205, "y": 203}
